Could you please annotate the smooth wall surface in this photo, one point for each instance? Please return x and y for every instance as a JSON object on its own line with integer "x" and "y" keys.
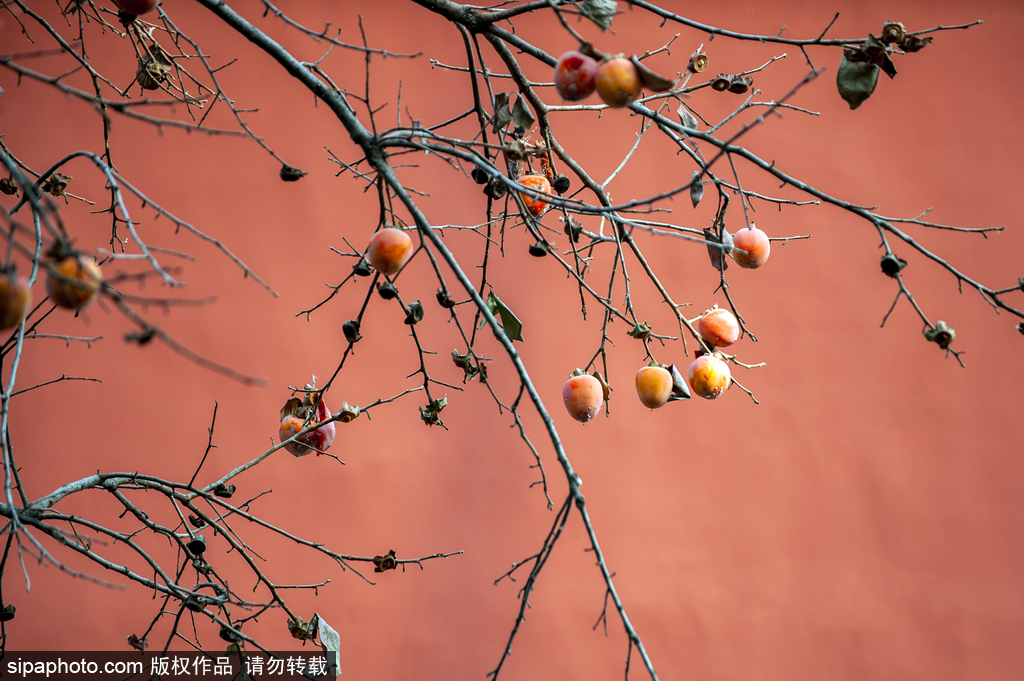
{"x": 863, "y": 521}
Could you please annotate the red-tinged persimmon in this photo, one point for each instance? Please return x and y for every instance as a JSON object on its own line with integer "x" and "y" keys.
{"x": 73, "y": 282}
{"x": 583, "y": 397}
{"x": 575, "y": 76}
{"x": 389, "y": 250}
{"x": 653, "y": 386}
{"x": 709, "y": 376}
{"x": 294, "y": 415}
{"x": 618, "y": 82}
{"x": 755, "y": 243}
{"x": 15, "y": 299}
{"x": 534, "y": 205}
{"x": 718, "y": 328}
{"x": 136, "y": 7}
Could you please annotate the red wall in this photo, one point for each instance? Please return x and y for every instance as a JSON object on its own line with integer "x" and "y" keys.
{"x": 863, "y": 521}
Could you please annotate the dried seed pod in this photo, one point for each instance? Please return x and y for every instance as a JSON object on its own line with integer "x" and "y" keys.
{"x": 351, "y": 330}
{"x": 942, "y": 334}
{"x": 740, "y": 84}
{"x": 196, "y": 545}
{"x": 561, "y": 184}
{"x": 415, "y": 313}
{"x": 362, "y": 268}
{"x": 698, "y": 62}
{"x": 56, "y": 184}
{"x": 153, "y": 68}
{"x": 444, "y": 300}
{"x": 7, "y": 186}
{"x": 7, "y": 614}
{"x": 479, "y": 175}
{"x": 289, "y": 174}
{"x": 539, "y": 249}
{"x": 892, "y": 264}
{"x": 224, "y": 491}
{"x": 228, "y": 635}
{"x": 195, "y": 604}
{"x": 721, "y": 82}
{"x": 893, "y": 32}
{"x": 387, "y": 562}
{"x": 640, "y": 331}
{"x": 495, "y": 188}
{"x": 387, "y": 290}
{"x": 348, "y": 412}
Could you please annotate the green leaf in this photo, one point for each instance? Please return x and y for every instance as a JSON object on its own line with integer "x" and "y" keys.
{"x": 856, "y": 80}
{"x": 509, "y": 322}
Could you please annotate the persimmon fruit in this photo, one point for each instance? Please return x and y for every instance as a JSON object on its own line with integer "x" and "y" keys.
{"x": 709, "y": 376}
{"x": 73, "y": 282}
{"x": 15, "y": 299}
{"x": 533, "y": 204}
{"x": 755, "y": 243}
{"x": 583, "y": 397}
{"x": 136, "y": 7}
{"x": 718, "y": 328}
{"x": 389, "y": 250}
{"x": 293, "y": 419}
{"x": 575, "y": 76}
{"x": 618, "y": 82}
{"x": 653, "y": 386}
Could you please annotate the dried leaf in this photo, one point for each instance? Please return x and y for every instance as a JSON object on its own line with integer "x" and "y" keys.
{"x": 509, "y": 322}
{"x": 291, "y": 407}
{"x": 686, "y": 118}
{"x": 600, "y": 11}
{"x": 856, "y": 80}
{"x": 651, "y": 80}
{"x": 502, "y": 115}
{"x": 696, "y": 188}
{"x": 717, "y": 256}
{"x": 912, "y": 43}
{"x": 521, "y": 115}
{"x": 680, "y": 389}
{"x": 330, "y": 641}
